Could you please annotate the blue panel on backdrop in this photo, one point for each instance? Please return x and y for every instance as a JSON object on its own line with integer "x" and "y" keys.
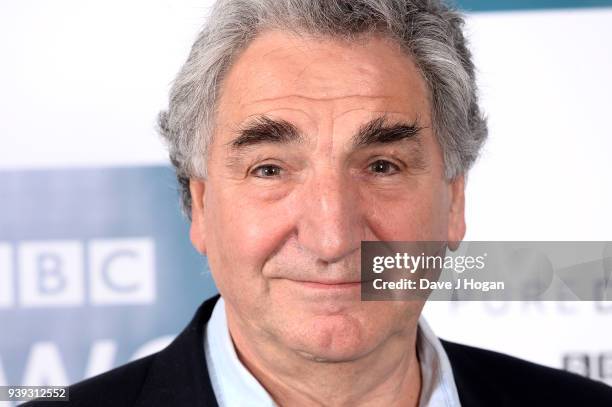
{"x": 499, "y": 5}
{"x": 94, "y": 263}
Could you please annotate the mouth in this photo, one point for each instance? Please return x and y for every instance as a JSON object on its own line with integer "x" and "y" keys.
{"x": 330, "y": 285}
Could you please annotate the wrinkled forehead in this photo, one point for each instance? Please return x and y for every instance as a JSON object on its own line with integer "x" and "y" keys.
{"x": 323, "y": 78}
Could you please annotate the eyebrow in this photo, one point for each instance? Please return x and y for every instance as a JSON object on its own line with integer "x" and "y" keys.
{"x": 377, "y": 131}
{"x": 266, "y": 130}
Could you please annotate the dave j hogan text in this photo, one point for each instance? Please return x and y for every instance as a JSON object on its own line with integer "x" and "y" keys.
{"x": 426, "y": 284}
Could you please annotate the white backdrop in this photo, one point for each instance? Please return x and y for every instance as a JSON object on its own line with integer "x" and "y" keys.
{"x": 81, "y": 83}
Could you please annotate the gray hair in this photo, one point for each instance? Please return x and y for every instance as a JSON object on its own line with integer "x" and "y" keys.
{"x": 427, "y": 30}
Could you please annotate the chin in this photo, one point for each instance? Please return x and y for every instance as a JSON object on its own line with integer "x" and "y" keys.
{"x": 333, "y": 338}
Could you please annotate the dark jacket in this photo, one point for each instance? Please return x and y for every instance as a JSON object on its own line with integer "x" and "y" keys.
{"x": 177, "y": 376}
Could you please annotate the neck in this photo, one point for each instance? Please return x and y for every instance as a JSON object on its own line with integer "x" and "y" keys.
{"x": 388, "y": 375}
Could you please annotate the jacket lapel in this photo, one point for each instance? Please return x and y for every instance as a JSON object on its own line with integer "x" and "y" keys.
{"x": 472, "y": 379}
{"x": 178, "y": 375}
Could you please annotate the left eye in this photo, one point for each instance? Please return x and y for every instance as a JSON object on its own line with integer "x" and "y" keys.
{"x": 383, "y": 167}
{"x": 267, "y": 171}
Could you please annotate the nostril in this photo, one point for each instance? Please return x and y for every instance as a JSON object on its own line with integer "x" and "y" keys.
{"x": 328, "y": 255}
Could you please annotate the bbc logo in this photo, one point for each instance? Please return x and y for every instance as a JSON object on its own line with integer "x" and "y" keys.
{"x": 593, "y": 365}
{"x": 59, "y": 273}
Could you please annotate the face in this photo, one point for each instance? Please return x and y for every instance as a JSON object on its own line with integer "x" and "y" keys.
{"x": 319, "y": 144}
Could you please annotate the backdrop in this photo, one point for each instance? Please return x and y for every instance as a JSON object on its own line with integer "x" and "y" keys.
{"x": 95, "y": 263}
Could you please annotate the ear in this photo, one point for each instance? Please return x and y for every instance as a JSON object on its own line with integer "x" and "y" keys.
{"x": 197, "y": 231}
{"x": 456, "y": 219}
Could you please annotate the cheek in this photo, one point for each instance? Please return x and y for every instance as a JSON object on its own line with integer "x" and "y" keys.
{"x": 244, "y": 232}
{"x": 417, "y": 215}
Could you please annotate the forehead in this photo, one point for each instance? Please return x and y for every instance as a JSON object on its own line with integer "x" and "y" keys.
{"x": 322, "y": 78}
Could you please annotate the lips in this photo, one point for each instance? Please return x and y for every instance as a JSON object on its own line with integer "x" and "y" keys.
{"x": 330, "y": 284}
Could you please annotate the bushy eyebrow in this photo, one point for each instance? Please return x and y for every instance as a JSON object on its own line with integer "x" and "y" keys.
{"x": 263, "y": 129}
{"x": 377, "y": 131}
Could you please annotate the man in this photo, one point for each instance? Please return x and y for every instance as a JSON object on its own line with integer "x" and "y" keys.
{"x": 299, "y": 129}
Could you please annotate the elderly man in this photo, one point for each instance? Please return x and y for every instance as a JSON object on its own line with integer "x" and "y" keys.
{"x": 299, "y": 129}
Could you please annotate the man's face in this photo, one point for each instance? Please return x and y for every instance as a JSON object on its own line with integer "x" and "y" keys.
{"x": 319, "y": 144}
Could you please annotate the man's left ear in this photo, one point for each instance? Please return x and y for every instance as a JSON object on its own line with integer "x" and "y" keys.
{"x": 456, "y": 219}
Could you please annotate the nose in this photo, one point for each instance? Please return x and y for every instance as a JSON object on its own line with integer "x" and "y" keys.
{"x": 331, "y": 225}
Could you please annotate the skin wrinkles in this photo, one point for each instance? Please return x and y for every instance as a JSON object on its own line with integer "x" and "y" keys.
{"x": 316, "y": 99}
{"x": 273, "y": 242}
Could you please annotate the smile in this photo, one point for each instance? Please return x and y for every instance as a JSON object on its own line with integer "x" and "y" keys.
{"x": 330, "y": 285}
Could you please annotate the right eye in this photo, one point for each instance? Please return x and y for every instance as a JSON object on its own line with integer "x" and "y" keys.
{"x": 267, "y": 171}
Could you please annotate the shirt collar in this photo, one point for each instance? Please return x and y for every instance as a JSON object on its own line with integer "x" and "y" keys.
{"x": 438, "y": 387}
{"x": 234, "y": 385}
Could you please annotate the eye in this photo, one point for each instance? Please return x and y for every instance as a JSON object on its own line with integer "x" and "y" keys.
{"x": 267, "y": 171}
{"x": 383, "y": 167}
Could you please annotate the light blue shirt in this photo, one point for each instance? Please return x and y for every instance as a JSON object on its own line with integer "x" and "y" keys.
{"x": 235, "y": 386}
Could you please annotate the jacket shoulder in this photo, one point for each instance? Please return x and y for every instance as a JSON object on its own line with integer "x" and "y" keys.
{"x": 176, "y": 375}
{"x": 483, "y": 375}
{"x": 117, "y": 387}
